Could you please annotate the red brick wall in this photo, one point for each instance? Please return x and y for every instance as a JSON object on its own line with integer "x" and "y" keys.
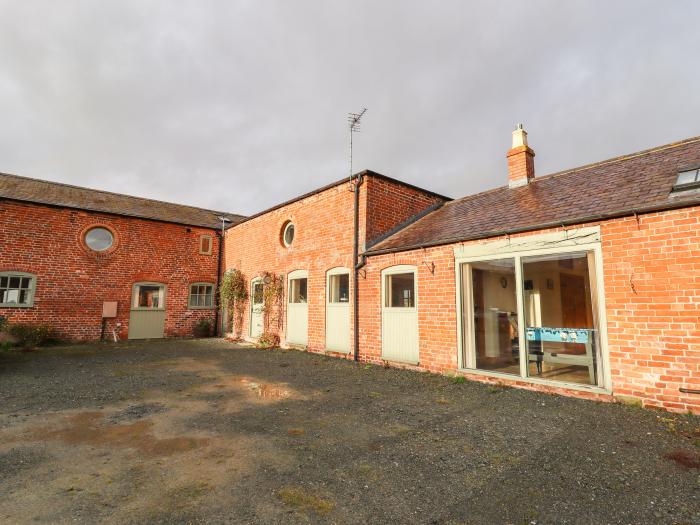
{"x": 652, "y": 283}
{"x": 72, "y": 281}
{"x": 323, "y": 237}
{"x": 389, "y": 204}
{"x": 653, "y": 327}
{"x": 323, "y": 240}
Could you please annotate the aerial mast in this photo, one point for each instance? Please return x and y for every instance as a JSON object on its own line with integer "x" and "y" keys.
{"x": 354, "y": 123}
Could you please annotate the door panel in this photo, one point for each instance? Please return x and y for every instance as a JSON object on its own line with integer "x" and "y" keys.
{"x": 400, "y": 335}
{"x": 298, "y": 308}
{"x": 400, "y": 315}
{"x": 338, "y": 310}
{"x": 297, "y": 323}
{"x": 145, "y": 324}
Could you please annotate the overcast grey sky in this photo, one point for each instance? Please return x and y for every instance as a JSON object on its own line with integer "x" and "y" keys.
{"x": 238, "y": 105}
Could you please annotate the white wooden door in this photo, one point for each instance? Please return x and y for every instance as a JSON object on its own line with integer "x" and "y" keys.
{"x": 400, "y": 314}
{"x": 338, "y": 310}
{"x": 298, "y": 308}
{"x": 256, "y": 308}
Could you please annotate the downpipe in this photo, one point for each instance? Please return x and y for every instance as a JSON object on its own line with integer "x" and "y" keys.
{"x": 356, "y": 265}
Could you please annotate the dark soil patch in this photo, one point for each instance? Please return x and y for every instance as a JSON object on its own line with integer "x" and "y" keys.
{"x": 685, "y": 458}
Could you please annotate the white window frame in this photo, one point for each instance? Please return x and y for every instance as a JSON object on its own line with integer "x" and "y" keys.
{"x": 134, "y": 296}
{"x": 399, "y": 269}
{"x": 295, "y": 275}
{"x": 286, "y": 227}
{"x": 340, "y": 270}
{"x": 574, "y": 240}
{"x": 189, "y": 297}
{"x": 31, "y": 289}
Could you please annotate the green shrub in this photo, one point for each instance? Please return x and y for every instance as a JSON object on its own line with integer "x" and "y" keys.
{"x": 268, "y": 340}
{"x": 31, "y": 335}
{"x": 202, "y": 328}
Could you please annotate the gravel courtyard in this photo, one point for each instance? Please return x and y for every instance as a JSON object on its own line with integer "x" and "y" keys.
{"x": 203, "y": 431}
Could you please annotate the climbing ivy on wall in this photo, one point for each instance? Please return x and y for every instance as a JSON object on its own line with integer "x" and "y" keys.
{"x": 234, "y": 294}
{"x": 273, "y": 296}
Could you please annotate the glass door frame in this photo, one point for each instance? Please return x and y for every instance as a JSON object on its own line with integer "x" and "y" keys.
{"x": 526, "y": 247}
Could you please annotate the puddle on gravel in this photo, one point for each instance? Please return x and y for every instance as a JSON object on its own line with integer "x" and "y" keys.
{"x": 86, "y": 428}
{"x": 267, "y": 390}
{"x": 252, "y": 388}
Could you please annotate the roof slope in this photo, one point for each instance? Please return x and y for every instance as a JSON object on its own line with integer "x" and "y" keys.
{"x": 621, "y": 186}
{"x": 345, "y": 180}
{"x": 57, "y": 194}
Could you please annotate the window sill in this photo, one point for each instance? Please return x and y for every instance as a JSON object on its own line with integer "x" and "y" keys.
{"x": 16, "y": 305}
{"x": 201, "y": 307}
{"x": 593, "y": 389}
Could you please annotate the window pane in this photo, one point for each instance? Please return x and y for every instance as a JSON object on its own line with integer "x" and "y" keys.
{"x": 205, "y": 244}
{"x": 289, "y": 234}
{"x": 3, "y": 282}
{"x": 297, "y": 290}
{"x": 99, "y": 239}
{"x": 207, "y": 300}
{"x": 400, "y": 290}
{"x": 339, "y": 288}
{"x": 14, "y": 282}
{"x": 559, "y": 321}
{"x": 258, "y": 293}
{"x": 495, "y": 323}
{"x": 25, "y": 282}
{"x": 149, "y": 296}
{"x": 687, "y": 177}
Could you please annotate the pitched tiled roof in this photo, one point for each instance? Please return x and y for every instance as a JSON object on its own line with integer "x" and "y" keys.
{"x": 58, "y": 194}
{"x": 621, "y": 186}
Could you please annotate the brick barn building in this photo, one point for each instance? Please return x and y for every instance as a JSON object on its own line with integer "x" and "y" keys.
{"x": 65, "y": 251}
{"x": 584, "y": 282}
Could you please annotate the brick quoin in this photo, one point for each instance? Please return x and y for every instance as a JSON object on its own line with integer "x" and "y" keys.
{"x": 73, "y": 281}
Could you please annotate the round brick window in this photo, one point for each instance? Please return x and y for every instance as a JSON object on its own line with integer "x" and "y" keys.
{"x": 99, "y": 239}
{"x": 288, "y": 234}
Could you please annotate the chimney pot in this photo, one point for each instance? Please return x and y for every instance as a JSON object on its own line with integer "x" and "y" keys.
{"x": 521, "y": 160}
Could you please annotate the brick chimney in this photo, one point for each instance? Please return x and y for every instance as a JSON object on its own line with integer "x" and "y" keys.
{"x": 521, "y": 160}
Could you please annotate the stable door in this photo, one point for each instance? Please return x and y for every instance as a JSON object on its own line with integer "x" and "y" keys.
{"x": 400, "y": 314}
{"x": 298, "y": 308}
{"x": 147, "y": 316}
{"x": 338, "y": 310}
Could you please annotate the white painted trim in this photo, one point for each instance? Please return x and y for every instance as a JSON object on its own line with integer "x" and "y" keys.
{"x": 297, "y": 274}
{"x": 573, "y": 237}
{"x": 338, "y": 270}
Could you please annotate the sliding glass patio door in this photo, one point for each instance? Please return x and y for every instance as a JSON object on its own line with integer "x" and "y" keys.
{"x": 534, "y": 315}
